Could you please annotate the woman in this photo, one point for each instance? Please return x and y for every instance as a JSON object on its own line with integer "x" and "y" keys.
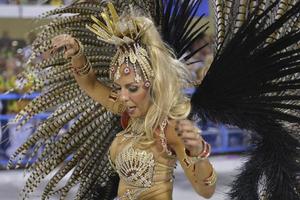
{"x": 152, "y": 105}
{"x": 252, "y": 83}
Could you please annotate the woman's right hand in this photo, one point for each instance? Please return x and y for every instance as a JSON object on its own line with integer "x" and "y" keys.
{"x": 71, "y": 48}
{"x": 65, "y": 43}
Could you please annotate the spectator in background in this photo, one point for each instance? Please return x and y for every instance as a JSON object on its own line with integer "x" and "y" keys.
{"x": 27, "y": 50}
{"x": 5, "y": 40}
{"x": 11, "y": 60}
{"x": 5, "y": 47}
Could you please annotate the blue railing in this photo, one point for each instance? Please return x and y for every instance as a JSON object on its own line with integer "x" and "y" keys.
{"x": 222, "y": 139}
{"x": 15, "y": 96}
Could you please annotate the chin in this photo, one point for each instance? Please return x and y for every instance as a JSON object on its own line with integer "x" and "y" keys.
{"x": 136, "y": 114}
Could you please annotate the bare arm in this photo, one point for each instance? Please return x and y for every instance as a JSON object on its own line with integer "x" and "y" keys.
{"x": 196, "y": 173}
{"x": 87, "y": 81}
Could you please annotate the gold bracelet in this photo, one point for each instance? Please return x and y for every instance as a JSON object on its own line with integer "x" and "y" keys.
{"x": 212, "y": 179}
{"x": 85, "y": 69}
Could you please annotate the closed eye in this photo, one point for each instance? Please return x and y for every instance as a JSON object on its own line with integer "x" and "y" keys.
{"x": 133, "y": 88}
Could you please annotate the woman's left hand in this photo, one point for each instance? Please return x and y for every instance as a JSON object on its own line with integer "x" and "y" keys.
{"x": 191, "y": 137}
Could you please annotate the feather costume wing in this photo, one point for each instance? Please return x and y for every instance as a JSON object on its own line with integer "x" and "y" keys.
{"x": 254, "y": 83}
{"x": 80, "y": 153}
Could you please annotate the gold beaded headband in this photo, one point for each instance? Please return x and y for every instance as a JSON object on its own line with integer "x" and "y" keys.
{"x": 126, "y": 35}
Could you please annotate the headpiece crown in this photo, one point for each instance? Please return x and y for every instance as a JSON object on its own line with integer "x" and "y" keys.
{"x": 126, "y": 34}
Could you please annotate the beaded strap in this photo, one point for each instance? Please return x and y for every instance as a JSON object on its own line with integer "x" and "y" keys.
{"x": 163, "y": 138}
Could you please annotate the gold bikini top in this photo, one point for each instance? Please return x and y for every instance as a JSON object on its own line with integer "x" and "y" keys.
{"x": 135, "y": 166}
{"x": 139, "y": 169}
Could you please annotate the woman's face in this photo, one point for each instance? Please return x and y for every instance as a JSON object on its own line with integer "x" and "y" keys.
{"x": 134, "y": 95}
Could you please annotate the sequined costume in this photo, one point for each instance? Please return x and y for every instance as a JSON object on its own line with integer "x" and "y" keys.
{"x": 147, "y": 173}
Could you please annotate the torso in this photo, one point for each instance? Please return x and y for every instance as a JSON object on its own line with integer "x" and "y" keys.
{"x": 144, "y": 173}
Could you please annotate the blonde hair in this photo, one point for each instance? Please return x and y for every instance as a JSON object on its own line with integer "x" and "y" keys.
{"x": 170, "y": 78}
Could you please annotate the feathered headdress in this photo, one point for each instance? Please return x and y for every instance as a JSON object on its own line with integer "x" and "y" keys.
{"x": 126, "y": 36}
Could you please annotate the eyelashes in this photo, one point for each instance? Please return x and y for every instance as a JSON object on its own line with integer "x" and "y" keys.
{"x": 131, "y": 89}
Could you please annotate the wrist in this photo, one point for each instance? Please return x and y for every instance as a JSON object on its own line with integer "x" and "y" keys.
{"x": 196, "y": 150}
{"x": 211, "y": 179}
{"x": 79, "y": 61}
{"x": 84, "y": 69}
{"x": 202, "y": 155}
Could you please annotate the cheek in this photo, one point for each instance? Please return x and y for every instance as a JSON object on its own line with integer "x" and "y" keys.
{"x": 140, "y": 99}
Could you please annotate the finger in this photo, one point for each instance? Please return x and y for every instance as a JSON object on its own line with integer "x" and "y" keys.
{"x": 191, "y": 144}
{"x": 186, "y": 127}
{"x": 65, "y": 47}
{"x": 57, "y": 49}
{"x": 62, "y": 37}
{"x": 190, "y": 135}
{"x": 194, "y": 147}
{"x": 57, "y": 40}
{"x": 69, "y": 53}
{"x": 58, "y": 44}
{"x": 63, "y": 40}
{"x": 181, "y": 130}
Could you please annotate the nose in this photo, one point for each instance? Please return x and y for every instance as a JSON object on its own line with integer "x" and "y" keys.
{"x": 124, "y": 95}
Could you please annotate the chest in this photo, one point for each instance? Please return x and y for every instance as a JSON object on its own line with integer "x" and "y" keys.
{"x": 137, "y": 164}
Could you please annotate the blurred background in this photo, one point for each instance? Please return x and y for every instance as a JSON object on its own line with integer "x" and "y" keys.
{"x": 17, "y": 25}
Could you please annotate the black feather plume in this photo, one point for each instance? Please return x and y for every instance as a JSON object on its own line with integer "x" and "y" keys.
{"x": 255, "y": 84}
{"x": 180, "y": 27}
